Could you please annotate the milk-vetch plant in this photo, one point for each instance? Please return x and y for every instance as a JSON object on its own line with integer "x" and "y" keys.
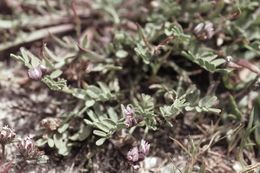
{"x": 164, "y": 67}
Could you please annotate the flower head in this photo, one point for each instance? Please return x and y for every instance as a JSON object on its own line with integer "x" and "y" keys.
{"x": 129, "y": 115}
{"x": 204, "y": 31}
{"x": 133, "y": 155}
{"x": 6, "y": 135}
{"x": 28, "y": 149}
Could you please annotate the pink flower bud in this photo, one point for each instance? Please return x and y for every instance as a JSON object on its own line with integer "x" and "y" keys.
{"x": 35, "y": 73}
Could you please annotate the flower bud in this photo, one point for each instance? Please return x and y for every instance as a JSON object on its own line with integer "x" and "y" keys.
{"x": 6, "y": 135}
{"x": 35, "y": 73}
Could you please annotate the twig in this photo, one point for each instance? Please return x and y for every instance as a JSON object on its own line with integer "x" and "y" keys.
{"x": 180, "y": 144}
{"x": 43, "y": 21}
{"x": 36, "y": 35}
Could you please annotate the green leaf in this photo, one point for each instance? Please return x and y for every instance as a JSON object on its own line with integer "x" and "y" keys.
{"x": 56, "y": 85}
{"x": 25, "y": 57}
{"x": 63, "y": 128}
{"x": 92, "y": 116}
{"x": 100, "y": 141}
{"x": 35, "y": 62}
{"x": 88, "y": 122}
{"x": 112, "y": 114}
{"x": 48, "y": 54}
{"x": 89, "y": 103}
{"x": 79, "y": 93}
{"x": 109, "y": 123}
{"x": 121, "y": 54}
{"x": 102, "y": 126}
{"x": 144, "y": 53}
{"x": 82, "y": 134}
{"x": 93, "y": 92}
{"x": 175, "y": 30}
{"x": 61, "y": 143}
{"x": 103, "y": 87}
{"x": 206, "y": 60}
{"x": 51, "y": 142}
{"x": 99, "y": 133}
{"x": 214, "y": 110}
{"x": 41, "y": 142}
{"x": 58, "y": 141}
{"x": 208, "y": 101}
{"x": 55, "y": 74}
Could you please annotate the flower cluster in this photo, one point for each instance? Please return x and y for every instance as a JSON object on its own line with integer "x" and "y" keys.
{"x": 135, "y": 155}
{"x": 6, "y": 135}
{"x": 28, "y": 149}
{"x": 204, "y": 31}
{"x": 129, "y": 115}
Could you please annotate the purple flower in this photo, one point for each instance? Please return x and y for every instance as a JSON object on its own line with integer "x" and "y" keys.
{"x": 128, "y": 110}
{"x": 133, "y": 155}
{"x": 144, "y": 147}
{"x": 37, "y": 72}
{"x": 129, "y": 114}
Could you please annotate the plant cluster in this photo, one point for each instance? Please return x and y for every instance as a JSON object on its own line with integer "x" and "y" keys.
{"x": 140, "y": 71}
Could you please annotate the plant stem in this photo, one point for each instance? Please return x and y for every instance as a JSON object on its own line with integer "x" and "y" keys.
{"x": 3, "y": 151}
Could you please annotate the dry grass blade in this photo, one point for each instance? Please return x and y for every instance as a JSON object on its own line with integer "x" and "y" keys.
{"x": 250, "y": 168}
{"x": 36, "y": 35}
